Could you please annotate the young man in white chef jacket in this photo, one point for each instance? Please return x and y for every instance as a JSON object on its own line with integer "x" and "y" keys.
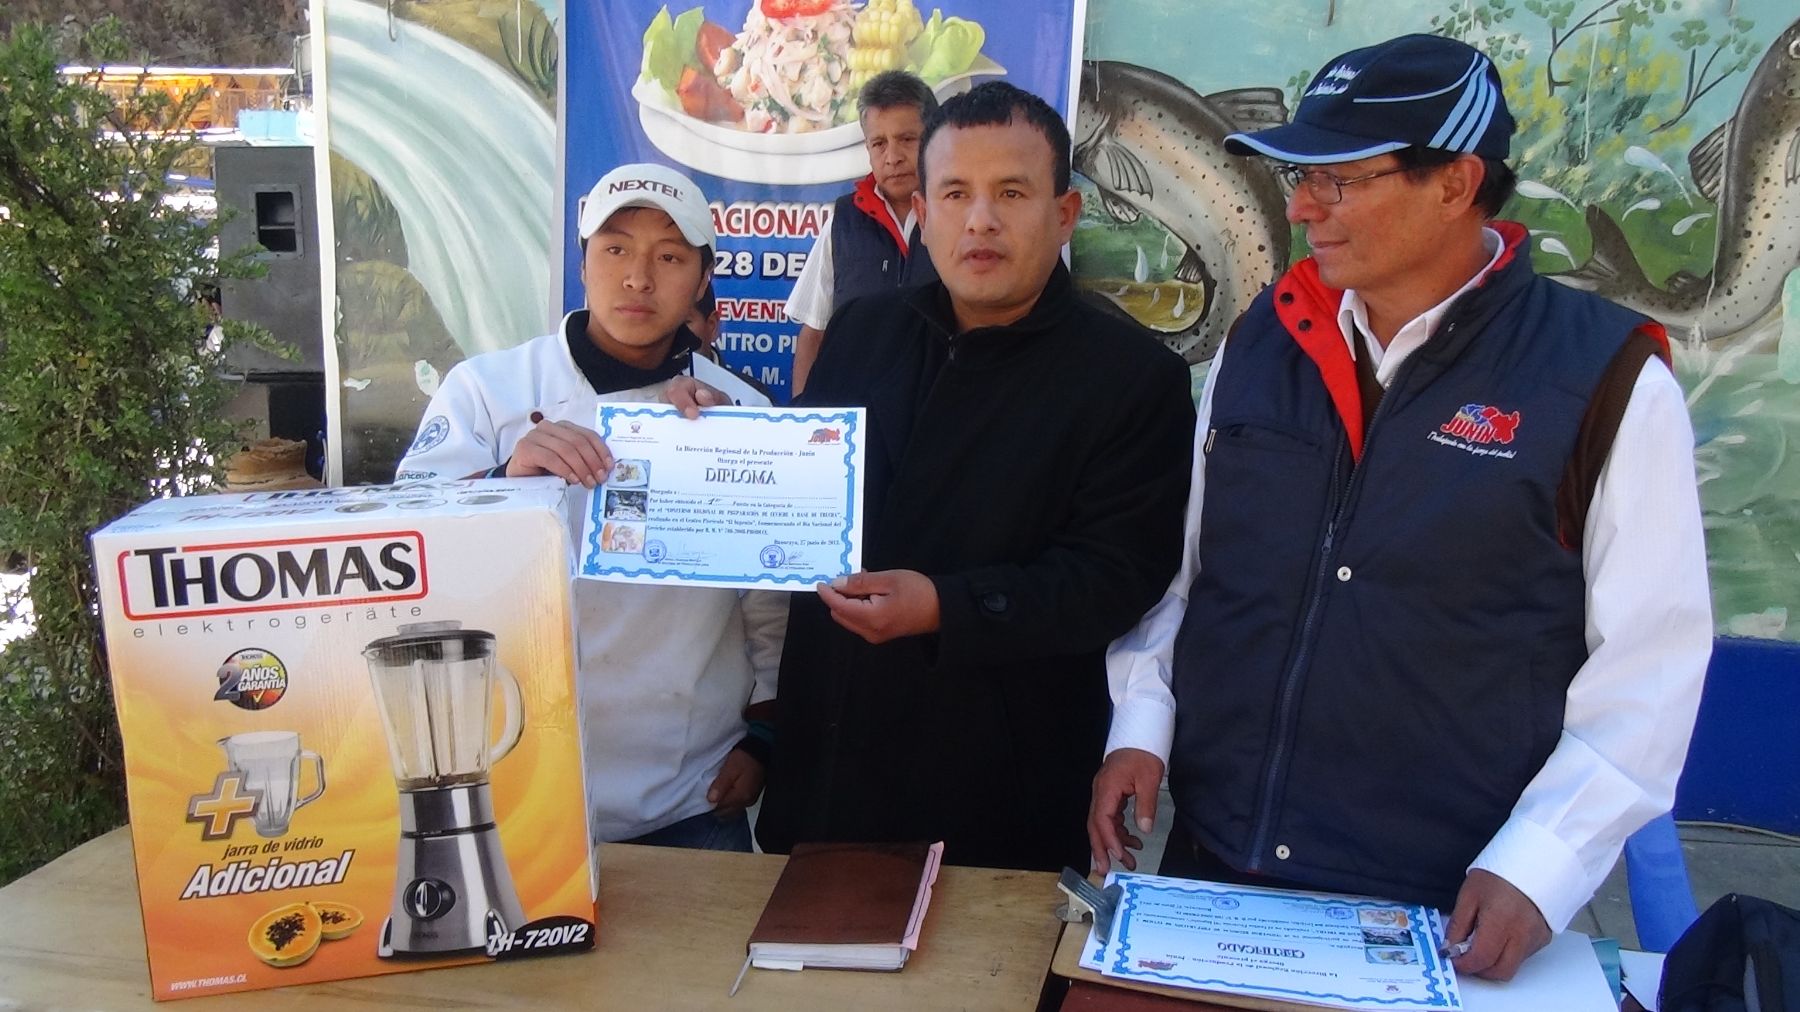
{"x": 677, "y": 682}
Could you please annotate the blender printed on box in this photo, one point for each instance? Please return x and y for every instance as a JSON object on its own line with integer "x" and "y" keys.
{"x": 267, "y": 649}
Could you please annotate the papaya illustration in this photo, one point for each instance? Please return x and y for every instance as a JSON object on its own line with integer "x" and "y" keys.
{"x": 287, "y": 935}
{"x": 339, "y": 919}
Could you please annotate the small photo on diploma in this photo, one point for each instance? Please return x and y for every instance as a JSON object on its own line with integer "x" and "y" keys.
{"x": 740, "y": 497}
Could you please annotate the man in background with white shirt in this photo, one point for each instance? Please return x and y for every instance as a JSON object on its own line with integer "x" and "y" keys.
{"x": 1442, "y": 617}
{"x": 873, "y": 242}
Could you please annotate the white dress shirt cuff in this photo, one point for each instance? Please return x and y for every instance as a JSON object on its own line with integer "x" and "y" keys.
{"x": 1541, "y": 866}
{"x": 1142, "y": 723}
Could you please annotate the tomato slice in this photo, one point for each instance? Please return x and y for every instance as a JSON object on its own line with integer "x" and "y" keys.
{"x": 712, "y": 40}
{"x": 702, "y": 98}
{"x": 796, "y": 8}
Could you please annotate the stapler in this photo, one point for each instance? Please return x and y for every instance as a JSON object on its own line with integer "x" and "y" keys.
{"x": 1087, "y": 900}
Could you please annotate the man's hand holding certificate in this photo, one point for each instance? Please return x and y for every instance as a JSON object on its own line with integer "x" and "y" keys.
{"x": 740, "y": 498}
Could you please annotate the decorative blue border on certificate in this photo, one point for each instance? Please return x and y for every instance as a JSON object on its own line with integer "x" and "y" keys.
{"x": 591, "y": 566}
{"x": 1431, "y": 969}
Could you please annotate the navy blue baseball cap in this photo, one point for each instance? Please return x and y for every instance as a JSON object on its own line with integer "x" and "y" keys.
{"x": 1414, "y": 91}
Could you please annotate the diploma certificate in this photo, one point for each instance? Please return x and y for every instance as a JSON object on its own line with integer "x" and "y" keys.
{"x": 741, "y": 498}
{"x": 1343, "y": 952}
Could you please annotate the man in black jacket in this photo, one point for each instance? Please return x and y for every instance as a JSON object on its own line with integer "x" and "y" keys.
{"x": 1026, "y": 476}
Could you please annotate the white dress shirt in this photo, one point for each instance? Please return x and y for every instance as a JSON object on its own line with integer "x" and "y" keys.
{"x": 1353, "y": 319}
{"x": 1630, "y": 708}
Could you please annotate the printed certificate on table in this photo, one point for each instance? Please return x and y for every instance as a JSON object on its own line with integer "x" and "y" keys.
{"x": 741, "y": 497}
{"x": 1342, "y": 952}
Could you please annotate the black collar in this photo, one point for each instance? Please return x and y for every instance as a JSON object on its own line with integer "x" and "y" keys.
{"x": 607, "y": 374}
{"x": 1054, "y": 304}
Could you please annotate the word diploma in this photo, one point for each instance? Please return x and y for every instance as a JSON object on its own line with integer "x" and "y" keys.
{"x": 740, "y": 498}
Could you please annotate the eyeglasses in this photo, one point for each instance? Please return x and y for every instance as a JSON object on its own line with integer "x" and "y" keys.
{"x": 1323, "y": 186}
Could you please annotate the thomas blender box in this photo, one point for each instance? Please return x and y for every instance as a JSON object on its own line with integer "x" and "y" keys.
{"x": 350, "y": 730}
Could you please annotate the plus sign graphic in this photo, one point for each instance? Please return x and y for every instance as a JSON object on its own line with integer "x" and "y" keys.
{"x": 219, "y": 811}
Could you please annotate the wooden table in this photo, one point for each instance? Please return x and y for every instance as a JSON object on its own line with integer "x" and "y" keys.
{"x": 1091, "y": 991}
{"x": 671, "y": 936}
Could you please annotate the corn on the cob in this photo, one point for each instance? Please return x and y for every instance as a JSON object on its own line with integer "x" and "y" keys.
{"x": 883, "y": 30}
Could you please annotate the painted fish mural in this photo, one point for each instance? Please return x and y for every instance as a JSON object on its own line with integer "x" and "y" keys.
{"x": 1155, "y": 147}
{"x": 1750, "y": 167}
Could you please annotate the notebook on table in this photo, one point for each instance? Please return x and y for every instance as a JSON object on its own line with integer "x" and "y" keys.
{"x": 846, "y": 906}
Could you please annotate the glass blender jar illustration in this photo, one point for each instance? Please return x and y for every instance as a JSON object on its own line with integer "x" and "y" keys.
{"x": 435, "y": 684}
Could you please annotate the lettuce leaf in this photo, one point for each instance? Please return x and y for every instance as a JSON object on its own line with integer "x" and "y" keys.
{"x": 687, "y": 34}
{"x": 920, "y": 49}
{"x": 669, "y": 47}
{"x": 662, "y": 60}
{"x": 953, "y": 50}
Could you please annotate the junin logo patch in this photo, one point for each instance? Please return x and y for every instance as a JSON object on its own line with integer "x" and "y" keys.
{"x": 1482, "y": 423}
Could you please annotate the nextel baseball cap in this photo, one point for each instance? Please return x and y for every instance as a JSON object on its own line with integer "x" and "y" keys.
{"x": 648, "y": 185}
{"x": 1414, "y": 91}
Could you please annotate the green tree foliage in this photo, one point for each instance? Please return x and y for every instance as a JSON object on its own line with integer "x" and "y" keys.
{"x": 204, "y": 33}
{"x": 109, "y": 395}
{"x": 1732, "y": 41}
{"x": 1604, "y": 114}
{"x": 1616, "y": 73}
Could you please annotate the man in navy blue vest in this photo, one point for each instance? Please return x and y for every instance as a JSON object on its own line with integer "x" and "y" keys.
{"x": 873, "y": 243}
{"x": 1439, "y": 633}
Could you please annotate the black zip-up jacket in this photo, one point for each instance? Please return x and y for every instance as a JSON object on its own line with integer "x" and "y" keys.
{"x": 1037, "y": 473}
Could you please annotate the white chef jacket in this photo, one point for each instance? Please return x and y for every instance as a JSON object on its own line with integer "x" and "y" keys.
{"x": 664, "y": 673}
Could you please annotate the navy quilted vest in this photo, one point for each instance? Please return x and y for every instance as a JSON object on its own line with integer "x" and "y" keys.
{"x": 1376, "y": 652}
{"x": 866, "y": 260}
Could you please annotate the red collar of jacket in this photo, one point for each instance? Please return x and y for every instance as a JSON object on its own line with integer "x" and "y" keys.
{"x": 869, "y": 202}
{"x": 1308, "y": 310}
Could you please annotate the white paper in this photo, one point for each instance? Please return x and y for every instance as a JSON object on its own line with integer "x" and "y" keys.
{"x": 740, "y": 498}
{"x": 1564, "y": 976}
{"x": 1643, "y": 975}
{"x": 1340, "y": 951}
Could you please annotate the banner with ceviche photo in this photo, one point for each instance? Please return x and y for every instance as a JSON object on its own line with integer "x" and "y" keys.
{"x": 756, "y": 101}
